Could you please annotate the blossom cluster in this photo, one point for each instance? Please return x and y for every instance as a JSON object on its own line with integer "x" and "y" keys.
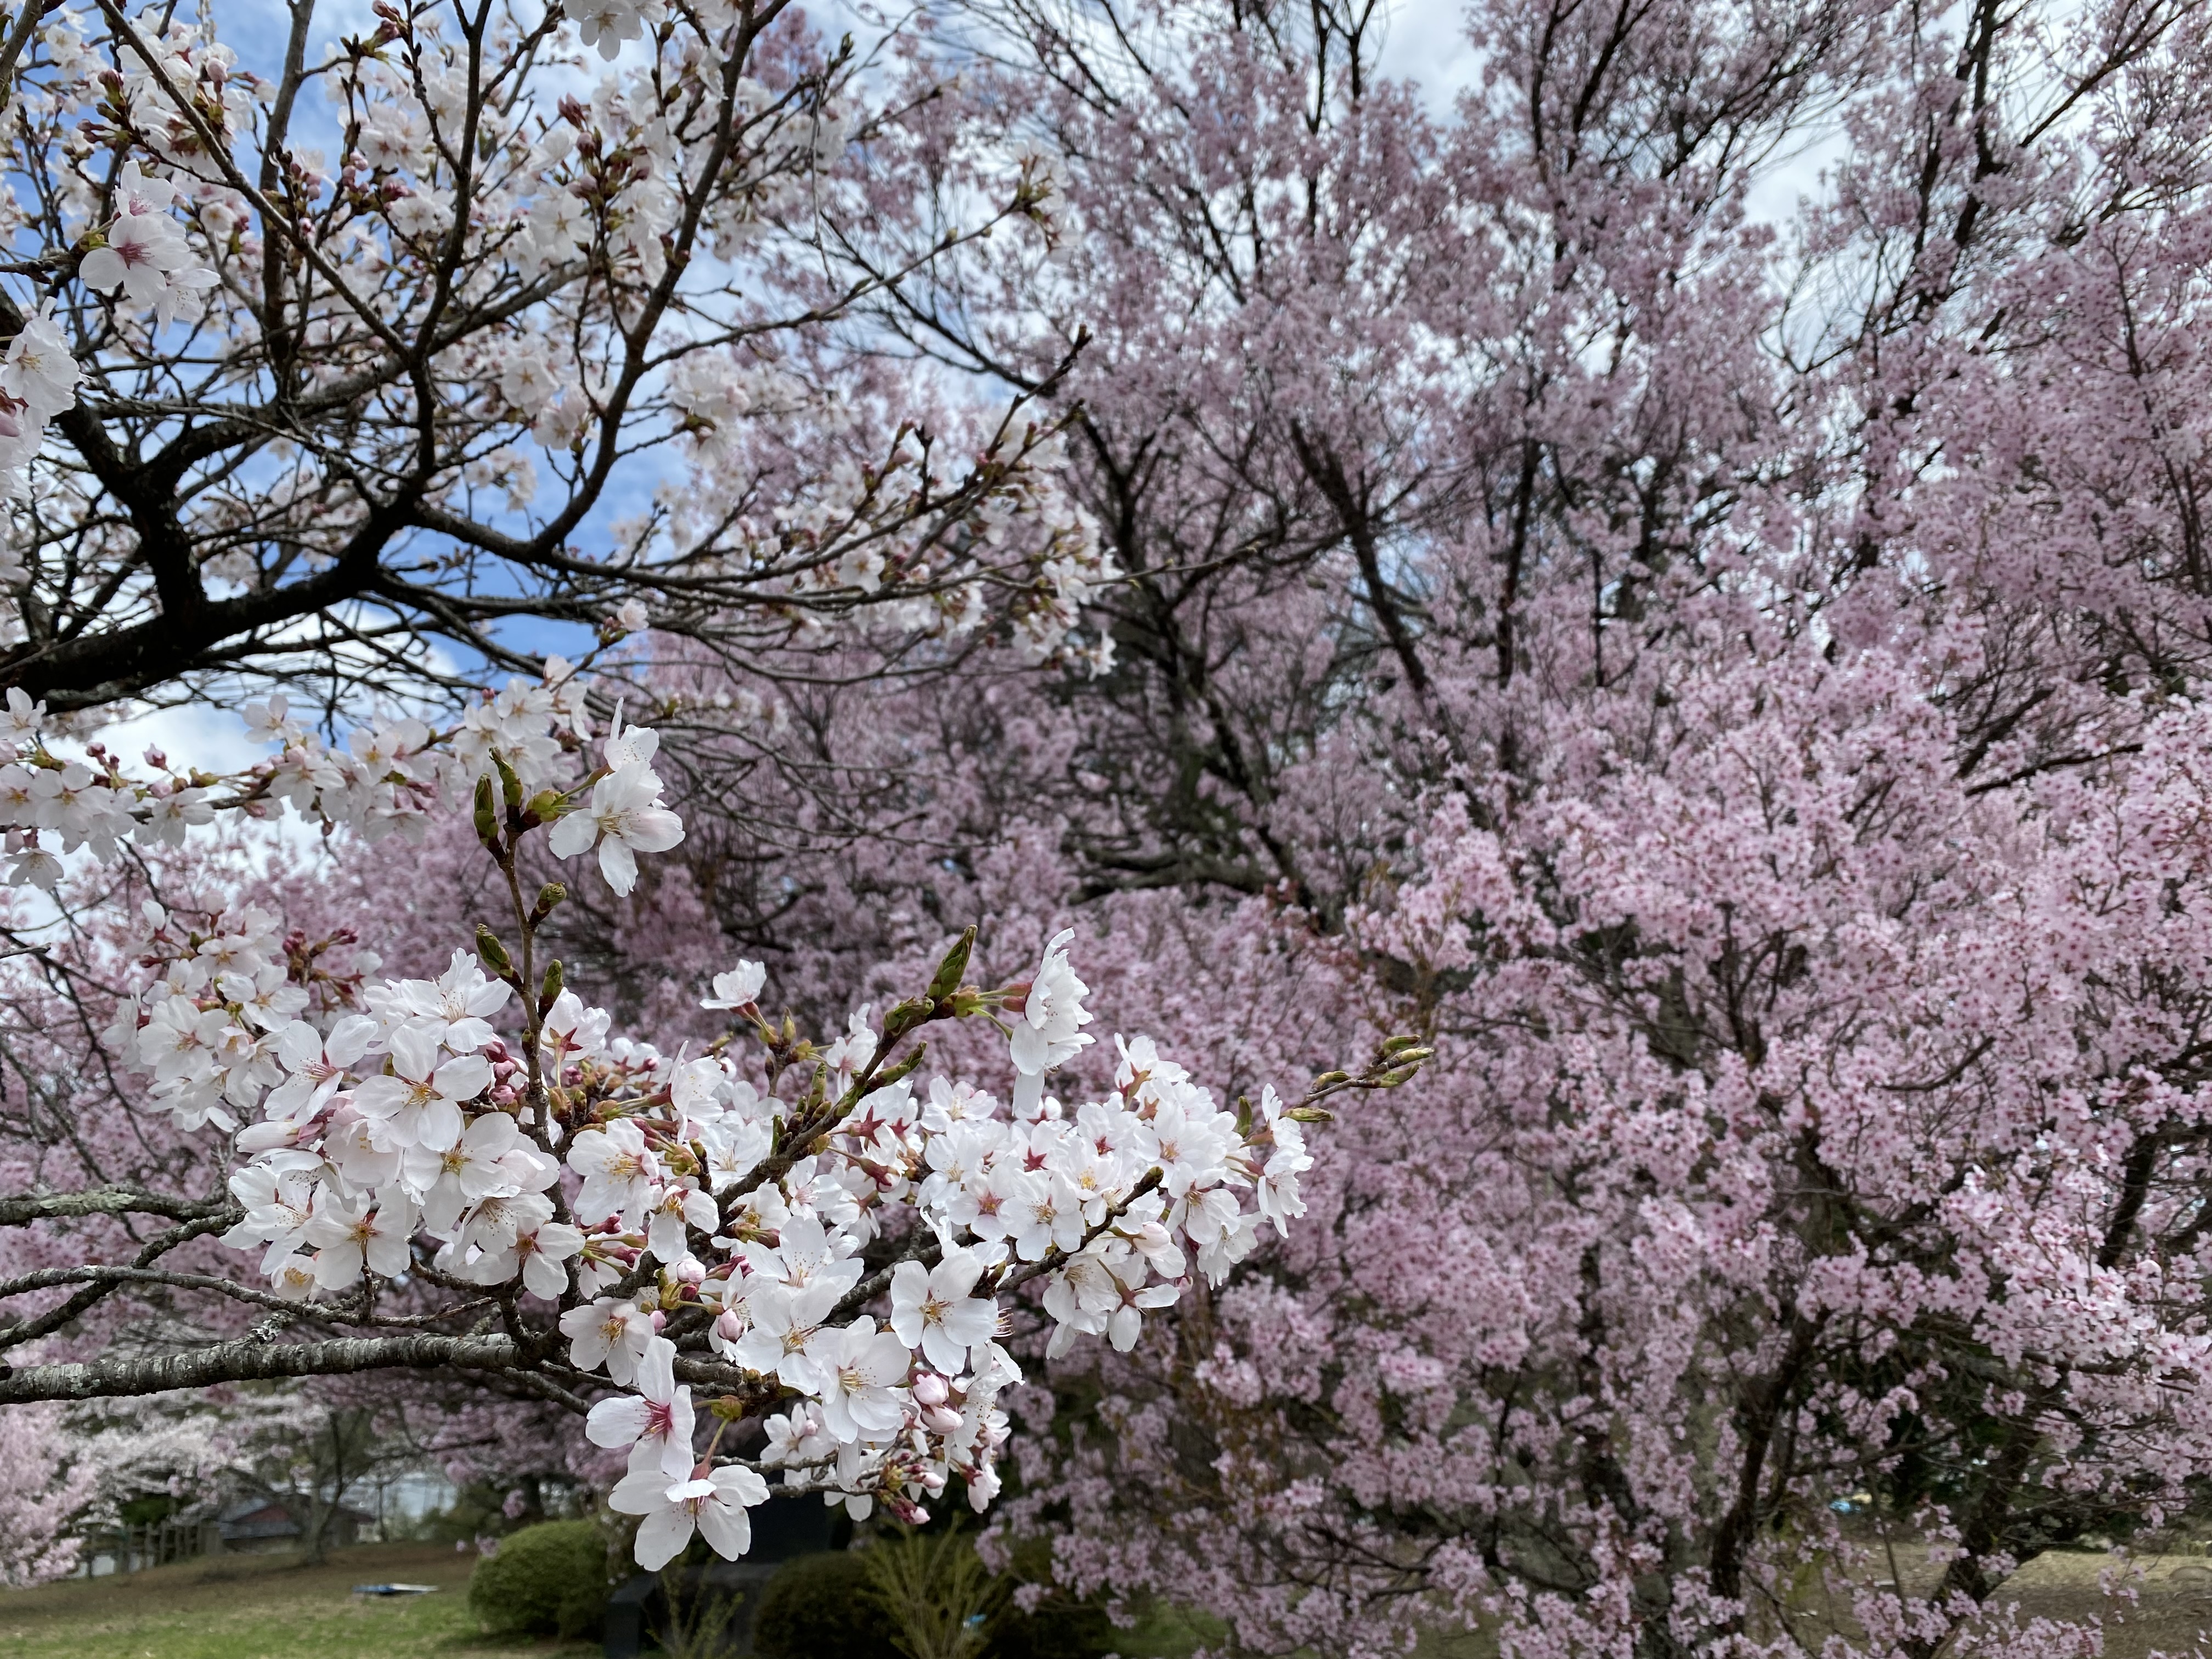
{"x": 384, "y": 779}
{"x": 802, "y": 496}
{"x": 143, "y": 251}
{"x": 38, "y": 382}
{"x": 809, "y": 1230}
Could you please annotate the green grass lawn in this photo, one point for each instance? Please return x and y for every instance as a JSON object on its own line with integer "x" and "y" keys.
{"x": 272, "y": 1607}
{"x": 265, "y": 1607}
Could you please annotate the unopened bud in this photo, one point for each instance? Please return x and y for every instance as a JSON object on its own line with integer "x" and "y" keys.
{"x": 931, "y": 1389}
{"x": 659, "y": 1319}
{"x": 940, "y": 1419}
{"x": 487, "y": 815}
{"x": 953, "y": 968}
{"x": 489, "y": 948}
{"x": 728, "y": 1326}
{"x": 688, "y": 1272}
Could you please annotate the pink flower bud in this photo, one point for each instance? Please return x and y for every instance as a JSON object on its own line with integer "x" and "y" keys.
{"x": 688, "y": 1272}
{"x": 728, "y": 1326}
{"x": 940, "y": 1419}
{"x": 931, "y": 1389}
{"x": 659, "y": 1319}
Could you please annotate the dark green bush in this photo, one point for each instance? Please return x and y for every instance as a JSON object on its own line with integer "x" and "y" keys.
{"x": 549, "y": 1580}
{"x": 819, "y": 1606}
{"x": 1059, "y": 1627}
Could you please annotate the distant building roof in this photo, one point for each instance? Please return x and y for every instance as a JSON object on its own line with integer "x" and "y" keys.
{"x": 269, "y": 1518}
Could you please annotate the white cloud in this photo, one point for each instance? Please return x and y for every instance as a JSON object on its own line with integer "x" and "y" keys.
{"x": 191, "y": 734}
{"x": 1424, "y": 41}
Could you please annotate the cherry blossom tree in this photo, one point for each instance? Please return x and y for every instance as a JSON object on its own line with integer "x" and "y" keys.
{"x": 1736, "y": 690}
{"x": 1733, "y": 690}
{"x": 267, "y": 424}
{"x": 475, "y": 1174}
{"x": 337, "y": 368}
{"x": 45, "y": 1485}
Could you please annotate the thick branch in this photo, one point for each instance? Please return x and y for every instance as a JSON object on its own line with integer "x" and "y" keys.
{"x": 20, "y": 1210}
{"x": 248, "y": 1361}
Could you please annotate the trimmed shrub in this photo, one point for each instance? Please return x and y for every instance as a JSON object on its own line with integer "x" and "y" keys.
{"x": 1060, "y": 1627}
{"x": 820, "y": 1606}
{"x": 548, "y": 1580}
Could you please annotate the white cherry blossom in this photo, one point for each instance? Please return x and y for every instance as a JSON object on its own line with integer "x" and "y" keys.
{"x": 739, "y": 989}
{"x": 654, "y": 1422}
{"x": 859, "y": 1368}
{"x": 624, "y": 818}
{"x": 540, "y": 1252}
{"x": 1046, "y": 1031}
{"x": 421, "y": 1098}
{"x": 784, "y": 1324}
{"x": 456, "y": 1008}
{"x": 351, "y": 1237}
{"x": 932, "y": 1310}
{"x": 608, "y": 1333}
{"x": 317, "y": 1064}
{"x": 620, "y": 1172}
{"x": 711, "y": 1504}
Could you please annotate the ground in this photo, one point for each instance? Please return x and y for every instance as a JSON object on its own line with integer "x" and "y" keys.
{"x": 2169, "y": 1615}
{"x": 272, "y": 1608}
{"x": 2172, "y": 1614}
{"x": 2164, "y": 1607}
{"x": 265, "y": 1607}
